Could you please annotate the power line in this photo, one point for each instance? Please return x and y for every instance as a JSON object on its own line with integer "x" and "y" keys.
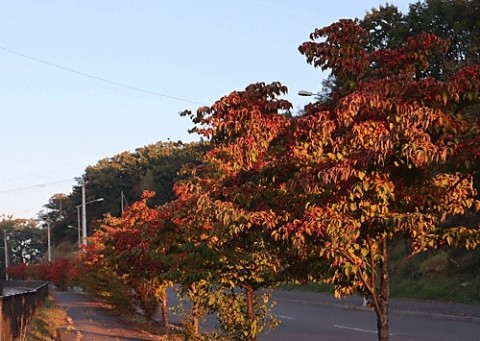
{"x": 64, "y": 68}
{"x": 35, "y": 186}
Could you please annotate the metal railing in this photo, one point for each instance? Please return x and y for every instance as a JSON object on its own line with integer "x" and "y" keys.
{"x": 18, "y": 305}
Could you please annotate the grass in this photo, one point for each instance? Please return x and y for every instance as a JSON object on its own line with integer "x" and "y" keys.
{"x": 46, "y": 323}
{"x": 448, "y": 275}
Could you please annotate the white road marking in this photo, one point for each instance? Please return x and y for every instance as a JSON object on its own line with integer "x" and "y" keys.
{"x": 356, "y": 329}
{"x": 285, "y": 317}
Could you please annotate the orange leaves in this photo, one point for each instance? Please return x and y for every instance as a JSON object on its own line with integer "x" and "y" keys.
{"x": 244, "y": 125}
{"x": 373, "y": 162}
{"x": 462, "y": 237}
{"x": 343, "y": 49}
{"x": 417, "y": 154}
{"x": 454, "y": 194}
{"x": 372, "y": 137}
{"x": 386, "y": 136}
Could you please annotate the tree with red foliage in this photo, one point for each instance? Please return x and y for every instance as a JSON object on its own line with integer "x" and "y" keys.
{"x": 229, "y": 200}
{"x": 387, "y": 157}
{"x": 60, "y": 272}
{"x": 135, "y": 246}
{"x": 383, "y": 159}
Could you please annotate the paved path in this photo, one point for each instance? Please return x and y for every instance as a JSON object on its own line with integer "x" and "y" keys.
{"x": 92, "y": 321}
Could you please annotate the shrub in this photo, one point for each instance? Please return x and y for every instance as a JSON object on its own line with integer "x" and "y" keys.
{"x": 60, "y": 271}
{"x": 17, "y": 271}
{"x": 104, "y": 284}
{"x": 437, "y": 264}
{"x": 39, "y": 271}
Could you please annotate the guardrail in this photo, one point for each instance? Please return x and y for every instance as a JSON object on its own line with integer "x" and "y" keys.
{"x": 18, "y": 305}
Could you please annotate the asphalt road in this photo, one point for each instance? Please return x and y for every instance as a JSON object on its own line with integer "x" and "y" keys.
{"x": 307, "y": 316}
{"x": 314, "y": 316}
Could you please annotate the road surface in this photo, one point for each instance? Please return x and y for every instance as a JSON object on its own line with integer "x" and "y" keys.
{"x": 309, "y": 316}
{"x": 315, "y": 316}
{"x": 305, "y": 317}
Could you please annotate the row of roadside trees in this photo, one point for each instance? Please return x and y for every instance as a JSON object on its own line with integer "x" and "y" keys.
{"x": 389, "y": 156}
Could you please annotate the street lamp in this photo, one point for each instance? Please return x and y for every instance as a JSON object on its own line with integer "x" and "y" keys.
{"x": 78, "y": 230}
{"x": 309, "y": 93}
{"x": 83, "y": 221}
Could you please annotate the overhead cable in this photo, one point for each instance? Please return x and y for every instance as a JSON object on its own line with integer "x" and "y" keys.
{"x": 151, "y": 92}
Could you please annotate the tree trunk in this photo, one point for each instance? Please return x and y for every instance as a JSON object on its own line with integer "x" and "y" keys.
{"x": 384, "y": 297}
{"x": 195, "y": 324}
{"x": 164, "y": 309}
{"x": 250, "y": 308}
{"x": 195, "y": 313}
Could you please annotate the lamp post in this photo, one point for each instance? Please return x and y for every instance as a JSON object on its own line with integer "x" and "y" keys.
{"x": 84, "y": 217}
{"x": 5, "y": 236}
{"x": 78, "y": 230}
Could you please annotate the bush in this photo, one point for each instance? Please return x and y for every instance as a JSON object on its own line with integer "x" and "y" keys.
{"x": 39, "y": 271}
{"x": 17, "y": 271}
{"x": 437, "y": 264}
{"x": 104, "y": 284}
{"x": 60, "y": 273}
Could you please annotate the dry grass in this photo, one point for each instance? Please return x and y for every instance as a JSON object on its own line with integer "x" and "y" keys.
{"x": 139, "y": 323}
{"x": 46, "y": 323}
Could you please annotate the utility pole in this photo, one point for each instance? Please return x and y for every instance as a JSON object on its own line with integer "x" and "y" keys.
{"x": 124, "y": 202}
{"x": 84, "y": 215}
{"x": 78, "y": 229}
{"x": 49, "y": 246}
{"x": 6, "y": 253}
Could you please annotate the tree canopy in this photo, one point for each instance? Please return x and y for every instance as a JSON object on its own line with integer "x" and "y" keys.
{"x": 323, "y": 195}
{"x": 386, "y": 158}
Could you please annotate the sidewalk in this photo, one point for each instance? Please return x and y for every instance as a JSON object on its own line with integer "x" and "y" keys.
{"x": 92, "y": 321}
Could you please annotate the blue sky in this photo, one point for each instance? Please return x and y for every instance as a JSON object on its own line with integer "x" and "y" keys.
{"x": 55, "y": 122}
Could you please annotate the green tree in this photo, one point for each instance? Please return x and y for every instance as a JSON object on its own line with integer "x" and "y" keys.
{"x": 26, "y": 241}
{"x": 120, "y": 181}
{"x": 389, "y": 29}
{"x": 154, "y": 167}
{"x": 451, "y": 20}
